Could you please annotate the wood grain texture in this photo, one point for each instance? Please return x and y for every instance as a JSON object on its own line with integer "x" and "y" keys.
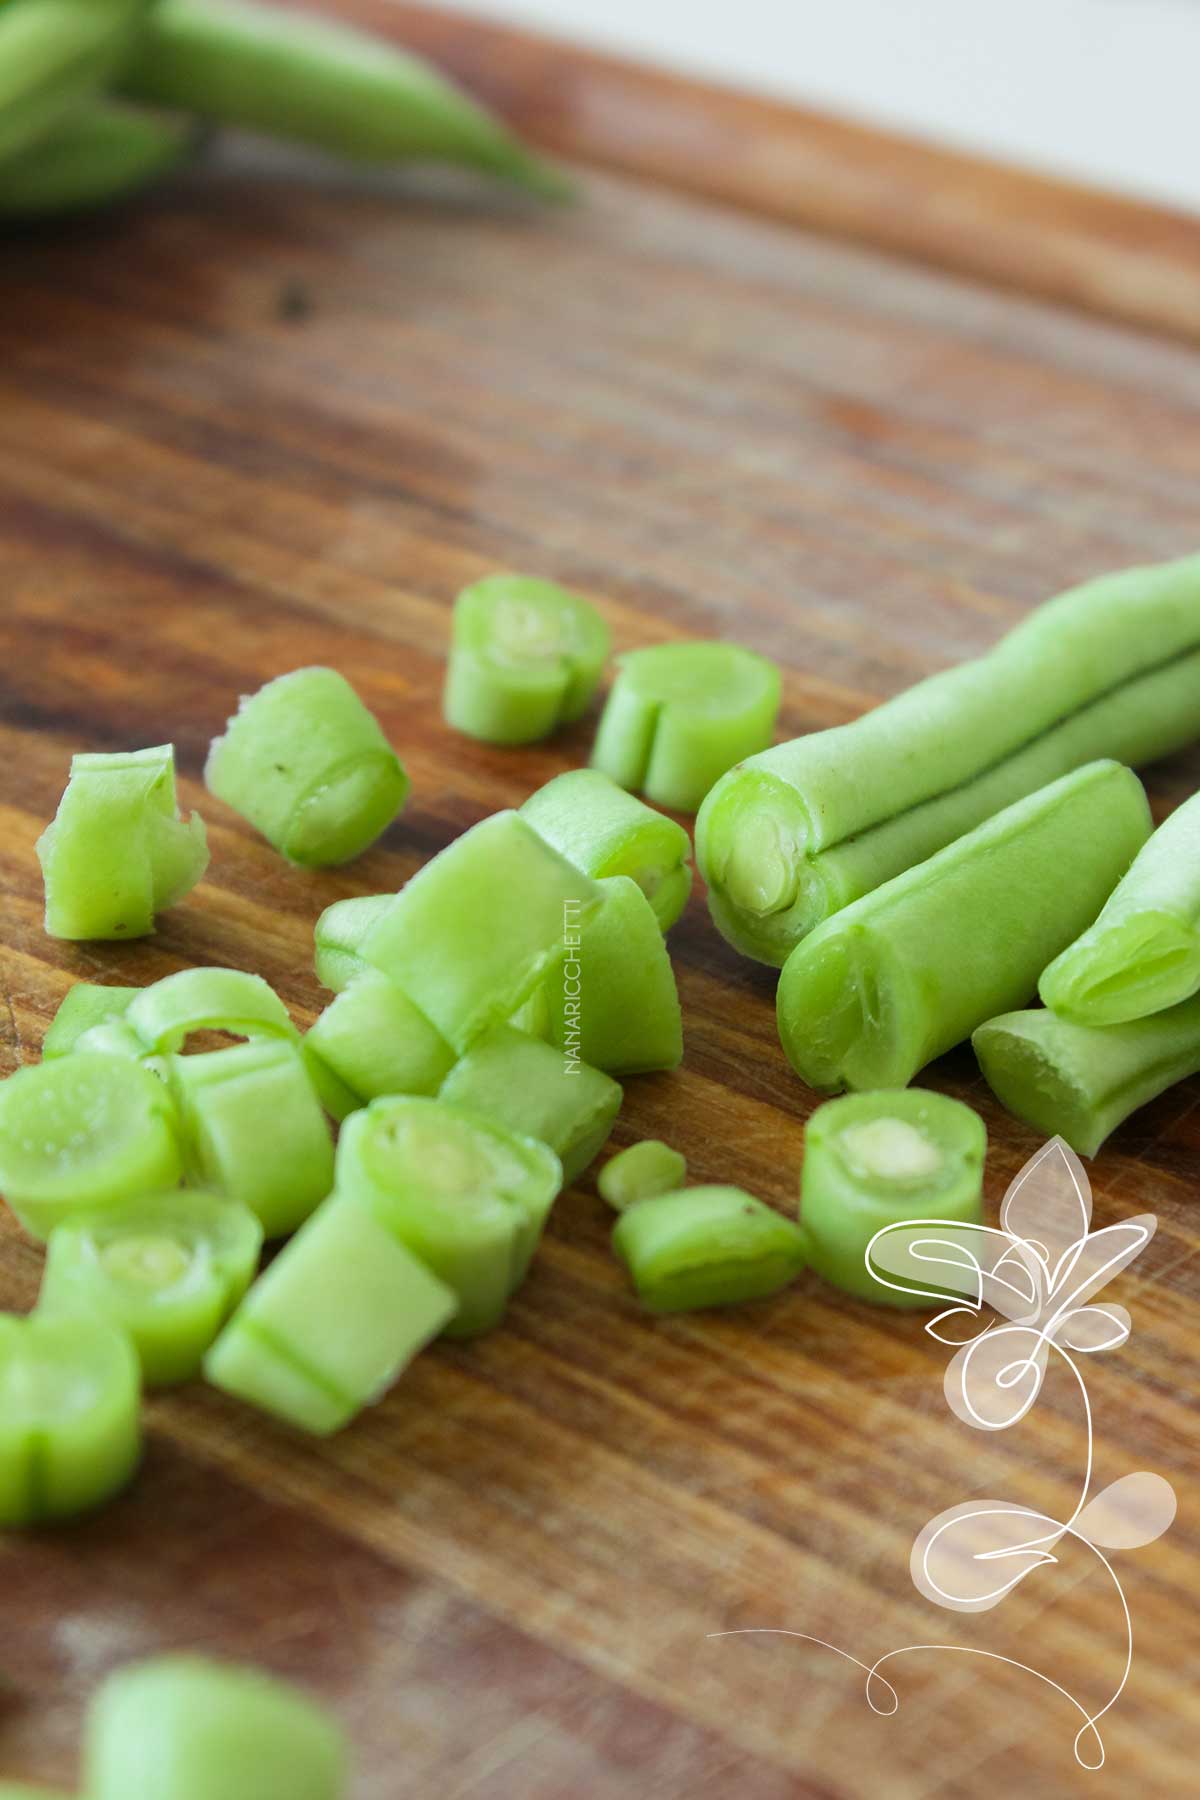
{"x": 505, "y": 1578}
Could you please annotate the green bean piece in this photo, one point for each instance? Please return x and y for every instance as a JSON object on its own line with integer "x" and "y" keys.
{"x": 525, "y": 657}
{"x": 83, "y": 1006}
{"x": 470, "y": 937}
{"x": 679, "y": 715}
{"x": 324, "y": 85}
{"x": 641, "y": 1172}
{"x": 375, "y": 1041}
{"x": 339, "y": 934}
{"x": 168, "y": 1269}
{"x": 910, "y": 970}
{"x": 117, "y": 851}
{"x": 254, "y": 1131}
{"x": 706, "y": 1246}
{"x": 54, "y": 55}
{"x": 307, "y": 764}
{"x": 1142, "y": 955}
{"x": 332, "y": 1323}
{"x": 525, "y": 1085}
{"x": 605, "y": 831}
{"x": 1079, "y": 1082}
{"x": 1111, "y": 669}
{"x": 467, "y": 1197}
{"x": 70, "y": 1428}
{"x": 165, "y": 1014}
{"x": 610, "y": 995}
{"x": 877, "y": 1159}
{"x": 99, "y": 156}
{"x": 83, "y": 1132}
{"x": 183, "y": 1728}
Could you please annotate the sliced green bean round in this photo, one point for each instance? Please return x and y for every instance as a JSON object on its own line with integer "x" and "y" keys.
{"x": 877, "y": 1159}
{"x": 166, "y": 1014}
{"x": 84, "y": 1006}
{"x": 605, "y": 831}
{"x": 375, "y": 1041}
{"x": 166, "y": 1268}
{"x": 641, "y": 1172}
{"x": 525, "y": 657}
{"x": 182, "y": 1728}
{"x": 339, "y": 936}
{"x": 527, "y": 1086}
{"x": 82, "y": 1132}
{"x": 679, "y": 715}
{"x": 706, "y": 1246}
{"x": 70, "y": 1432}
{"x": 307, "y": 764}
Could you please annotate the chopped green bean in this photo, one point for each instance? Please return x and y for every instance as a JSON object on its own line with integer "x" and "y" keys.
{"x": 525, "y": 1085}
{"x": 83, "y": 1132}
{"x": 525, "y": 657}
{"x": 470, "y": 936}
{"x": 315, "y": 81}
{"x": 332, "y": 1323}
{"x": 307, "y": 764}
{"x": 93, "y": 158}
{"x": 54, "y": 55}
{"x": 1143, "y": 952}
{"x": 70, "y": 1430}
{"x": 610, "y": 995}
{"x": 254, "y": 1130}
{"x": 910, "y": 970}
{"x": 605, "y": 831}
{"x": 679, "y": 715}
{"x": 117, "y": 851}
{"x": 167, "y": 1269}
{"x": 339, "y": 935}
{"x": 84, "y": 1006}
{"x": 375, "y": 1041}
{"x": 876, "y": 1159}
{"x": 166, "y": 1014}
{"x": 1079, "y": 1082}
{"x": 466, "y": 1196}
{"x": 706, "y": 1246}
{"x": 1111, "y": 669}
{"x": 640, "y": 1173}
{"x": 182, "y": 1728}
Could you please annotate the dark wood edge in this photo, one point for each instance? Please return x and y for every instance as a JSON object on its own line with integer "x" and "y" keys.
{"x": 1121, "y": 258}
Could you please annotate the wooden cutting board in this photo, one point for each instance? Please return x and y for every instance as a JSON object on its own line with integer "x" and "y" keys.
{"x": 841, "y": 400}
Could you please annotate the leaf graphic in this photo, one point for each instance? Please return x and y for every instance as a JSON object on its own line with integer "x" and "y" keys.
{"x": 1049, "y": 1202}
{"x": 992, "y": 1382}
{"x": 969, "y": 1557}
{"x": 935, "y": 1259}
{"x": 1102, "y": 1327}
{"x": 938, "y": 1327}
{"x": 1129, "y": 1513}
{"x": 1091, "y": 1264}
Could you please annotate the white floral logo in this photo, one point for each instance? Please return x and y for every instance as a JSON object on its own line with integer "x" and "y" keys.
{"x": 1040, "y": 1272}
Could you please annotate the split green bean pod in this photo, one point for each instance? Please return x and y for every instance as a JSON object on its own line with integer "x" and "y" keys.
{"x": 183, "y": 1728}
{"x": 878, "y": 1159}
{"x": 640, "y": 1172}
{"x": 307, "y": 764}
{"x": 1143, "y": 952}
{"x": 467, "y": 1197}
{"x": 609, "y": 997}
{"x": 166, "y": 1268}
{"x": 339, "y": 935}
{"x": 70, "y": 1431}
{"x": 117, "y": 851}
{"x": 83, "y": 1132}
{"x": 679, "y": 715}
{"x": 707, "y": 1246}
{"x": 525, "y": 657}
{"x": 525, "y": 1085}
{"x": 165, "y": 1014}
{"x": 1109, "y": 670}
{"x": 471, "y": 936}
{"x": 360, "y": 97}
{"x": 1079, "y": 1082}
{"x": 910, "y": 970}
{"x": 605, "y": 831}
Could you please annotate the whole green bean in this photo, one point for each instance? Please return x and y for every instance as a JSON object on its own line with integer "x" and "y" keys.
{"x": 99, "y": 154}
{"x": 269, "y": 71}
{"x": 1143, "y": 953}
{"x": 910, "y": 970}
{"x": 1079, "y": 1082}
{"x": 1109, "y": 669}
{"x": 54, "y": 55}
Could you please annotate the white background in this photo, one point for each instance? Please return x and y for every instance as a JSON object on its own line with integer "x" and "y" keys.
{"x": 1106, "y": 90}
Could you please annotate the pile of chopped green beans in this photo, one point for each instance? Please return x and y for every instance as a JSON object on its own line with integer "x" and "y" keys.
{"x": 100, "y": 98}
